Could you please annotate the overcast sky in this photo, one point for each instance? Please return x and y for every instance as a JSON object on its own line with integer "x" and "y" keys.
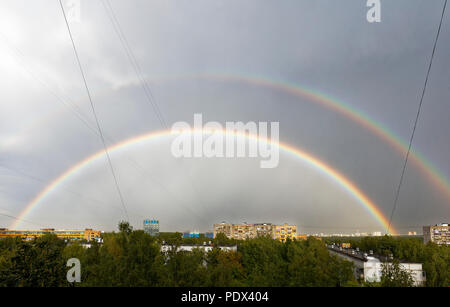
{"x": 376, "y": 68}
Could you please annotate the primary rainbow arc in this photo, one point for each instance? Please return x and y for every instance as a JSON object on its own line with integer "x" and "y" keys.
{"x": 309, "y": 159}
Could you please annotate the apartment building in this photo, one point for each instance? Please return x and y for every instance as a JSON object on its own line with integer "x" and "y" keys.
{"x": 226, "y": 229}
{"x": 439, "y": 234}
{"x": 283, "y": 232}
{"x": 249, "y": 231}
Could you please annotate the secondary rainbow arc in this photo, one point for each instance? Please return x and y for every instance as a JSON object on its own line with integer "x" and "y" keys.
{"x": 439, "y": 179}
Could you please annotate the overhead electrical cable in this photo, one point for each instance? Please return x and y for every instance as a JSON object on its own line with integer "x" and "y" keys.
{"x": 397, "y": 193}
{"x": 140, "y": 75}
{"x": 74, "y": 109}
{"x": 119, "y": 192}
{"x": 19, "y": 219}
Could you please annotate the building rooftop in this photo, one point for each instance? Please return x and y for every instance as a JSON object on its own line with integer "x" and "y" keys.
{"x": 362, "y": 255}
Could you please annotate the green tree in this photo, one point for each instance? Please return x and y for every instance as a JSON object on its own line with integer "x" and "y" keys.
{"x": 224, "y": 268}
{"x": 125, "y": 227}
{"x": 186, "y": 269}
{"x": 263, "y": 261}
{"x": 393, "y": 275}
{"x": 38, "y": 263}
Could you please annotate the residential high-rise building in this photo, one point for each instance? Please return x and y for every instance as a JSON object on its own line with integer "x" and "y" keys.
{"x": 264, "y": 229}
{"x": 243, "y": 231}
{"x": 439, "y": 234}
{"x": 249, "y": 231}
{"x": 226, "y": 229}
{"x": 151, "y": 226}
{"x": 283, "y": 232}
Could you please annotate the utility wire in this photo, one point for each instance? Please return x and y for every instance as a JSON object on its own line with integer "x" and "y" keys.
{"x": 94, "y": 200}
{"x": 19, "y": 219}
{"x": 139, "y": 73}
{"x": 417, "y": 117}
{"x": 134, "y": 62}
{"x": 94, "y": 113}
{"x": 71, "y": 106}
{"x": 19, "y": 55}
{"x": 23, "y": 174}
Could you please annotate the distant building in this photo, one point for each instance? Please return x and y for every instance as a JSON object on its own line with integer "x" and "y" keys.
{"x": 346, "y": 245}
{"x": 196, "y": 234}
{"x": 264, "y": 229}
{"x": 250, "y": 231}
{"x": 439, "y": 234}
{"x": 189, "y": 247}
{"x": 369, "y": 267}
{"x": 412, "y": 233}
{"x": 226, "y": 229}
{"x": 243, "y": 231}
{"x": 87, "y": 234}
{"x": 192, "y": 234}
{"x": 283, "y": 232}
{"x": 151, "y": 226}
{"x": 301, "y": 237}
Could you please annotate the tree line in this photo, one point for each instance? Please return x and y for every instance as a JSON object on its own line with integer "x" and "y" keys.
{"x": 133, "y": 258}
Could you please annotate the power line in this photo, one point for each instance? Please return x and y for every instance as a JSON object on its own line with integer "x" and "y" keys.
{"x": 19, "y": 219}
{"x": 134, "y": 62}
{"x": 139, "y": 73}
{"x": 417, "y": 117}
{"x": 71, "y": 106}
{"x": 94, "y": 200}
{"x": 94, "y": 113}
{"x": 23, "y": 174}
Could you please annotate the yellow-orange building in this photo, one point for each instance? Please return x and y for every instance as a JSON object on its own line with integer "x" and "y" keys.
{"x": 282, "y": 232}
{"x": 87, "y": 234}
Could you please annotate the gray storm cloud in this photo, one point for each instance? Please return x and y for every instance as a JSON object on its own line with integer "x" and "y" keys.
{"x": 328, "y": 46}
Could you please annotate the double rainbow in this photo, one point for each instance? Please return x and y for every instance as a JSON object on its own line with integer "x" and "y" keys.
{"x": 436, "y": 177}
